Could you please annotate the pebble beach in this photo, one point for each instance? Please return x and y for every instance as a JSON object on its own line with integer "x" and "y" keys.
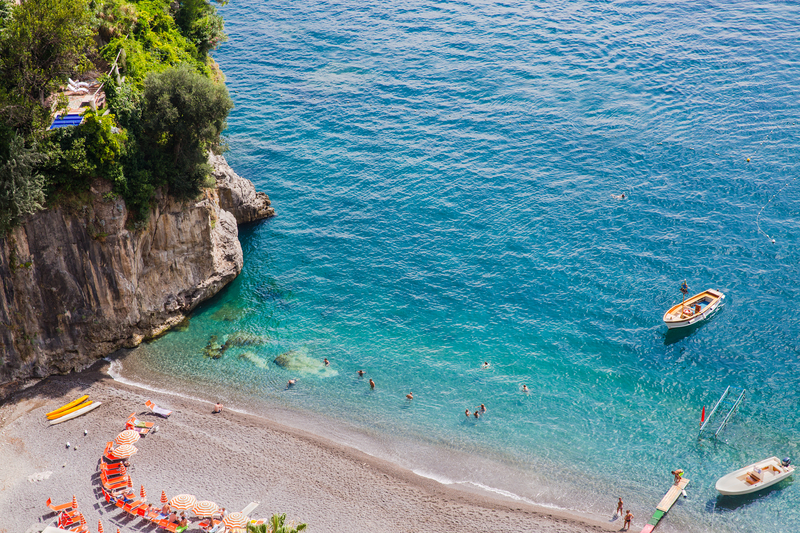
{"x": 232, "y": 459}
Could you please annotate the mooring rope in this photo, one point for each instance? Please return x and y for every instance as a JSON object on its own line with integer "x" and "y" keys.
{"x": 758, "y": 217}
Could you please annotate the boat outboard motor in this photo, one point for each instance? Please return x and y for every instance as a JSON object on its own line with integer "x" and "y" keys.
{"x": 785, "y": 462}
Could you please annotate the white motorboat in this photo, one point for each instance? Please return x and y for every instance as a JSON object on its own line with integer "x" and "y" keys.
{"x": 694, "y": 309}
{"x": 755, "y": 477}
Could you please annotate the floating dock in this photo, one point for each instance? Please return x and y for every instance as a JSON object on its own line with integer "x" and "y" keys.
{"x": 665, "y": 504}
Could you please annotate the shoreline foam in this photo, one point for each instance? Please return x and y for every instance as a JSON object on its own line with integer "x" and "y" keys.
{"x": 311, "y": 478}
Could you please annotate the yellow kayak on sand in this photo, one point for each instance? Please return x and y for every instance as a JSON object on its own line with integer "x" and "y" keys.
{"x": 70, "y": 410}
{"x": 68, "y": 406}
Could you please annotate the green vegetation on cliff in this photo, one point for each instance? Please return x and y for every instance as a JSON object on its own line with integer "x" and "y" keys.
{"x": 166, "y": 103}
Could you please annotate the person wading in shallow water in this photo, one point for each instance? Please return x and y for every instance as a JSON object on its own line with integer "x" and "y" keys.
{"x": 410, "y": 396}
{"x": 618, "y": 512}
{"x": 371, "y": 384}
{"x": 466, "y": 412}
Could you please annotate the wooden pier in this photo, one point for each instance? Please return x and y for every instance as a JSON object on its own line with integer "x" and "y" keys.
{"x": 665, "y": 504}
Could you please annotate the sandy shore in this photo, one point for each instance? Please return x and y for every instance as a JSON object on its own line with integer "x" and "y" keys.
{"x": 232, "y": 459}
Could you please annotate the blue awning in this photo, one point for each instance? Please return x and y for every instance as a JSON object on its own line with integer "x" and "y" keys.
{"x": 66, "y": 121}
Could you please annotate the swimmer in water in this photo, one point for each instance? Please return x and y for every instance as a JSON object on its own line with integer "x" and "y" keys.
{"x": 371, "y": 384}
{"x": 483, "y": 408}
{"x": 525, "y": 388}
{"x": 466, "y": 412}
{"x": 325, "y": 360}
{"x": 410, "y": 396}
{"x": 291, "y": 383}
{"x": 361, "y": 373}
{"x": 477, "y": 414}
{"x": 618, "y": 196}
{"x": 485, "y": 364}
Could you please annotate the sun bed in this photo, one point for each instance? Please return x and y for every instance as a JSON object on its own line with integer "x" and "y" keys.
{"x": 58, "y": 508}
{"x": 139, "y": 426}
{"x": 250, "y": 508}
{"x": 160, "y": 411}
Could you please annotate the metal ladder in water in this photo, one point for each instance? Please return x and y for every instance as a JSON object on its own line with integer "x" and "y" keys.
{"x": 730, "y": 400}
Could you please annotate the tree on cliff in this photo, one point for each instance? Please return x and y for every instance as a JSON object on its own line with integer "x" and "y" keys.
{"x": 21, "y": 189}
{"x": 183, "y": 114}
{"x": 43, "y": 42}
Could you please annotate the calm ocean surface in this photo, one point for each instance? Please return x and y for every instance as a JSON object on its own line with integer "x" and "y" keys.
{"x": 443, "y": 176}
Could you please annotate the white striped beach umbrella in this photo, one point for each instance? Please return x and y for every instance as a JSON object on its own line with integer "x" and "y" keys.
{"x": 126, "y": 450}
{"x": 143, "y": 493}
{"x": 74, "y": 502}
{"x": 127, "y": 437}
{"x": 183, "y": 501}
{"x": 100, "y": 526}
{"x": 234, "y": 520}
{"x": 205, "y": 508}
{"x": 163, "y": 497}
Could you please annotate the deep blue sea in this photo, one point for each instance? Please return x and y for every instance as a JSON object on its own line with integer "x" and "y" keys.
{"x": 443, "y": 176}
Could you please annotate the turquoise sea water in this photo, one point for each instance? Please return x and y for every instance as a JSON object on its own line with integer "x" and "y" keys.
{"x": 443, "y": 176}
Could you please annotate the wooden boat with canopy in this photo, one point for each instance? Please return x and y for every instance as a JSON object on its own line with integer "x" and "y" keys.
{"x": 693, "y": 310}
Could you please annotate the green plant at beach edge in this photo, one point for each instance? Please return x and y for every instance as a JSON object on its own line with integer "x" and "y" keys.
{"x": 277, "y": 524}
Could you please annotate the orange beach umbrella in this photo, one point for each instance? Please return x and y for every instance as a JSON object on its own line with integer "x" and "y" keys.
{"x": 127, "y": 437}
{"x": 236, "y": 519}
{"x": 126, "y": 450}
{"x": 164, "y": 497}
{"x": 205, "y": 508}
{"x": 83, "y": 520}
{"x": 143, "y": 493}
{"x": 183, "y": 501}
{"x": 100, "y": 526}
{"x": 74, "y": 502}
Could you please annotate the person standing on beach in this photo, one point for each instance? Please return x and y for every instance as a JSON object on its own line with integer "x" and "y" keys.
{"x": 618, "y": 512}
{"x": 628, "y": 518}
{"x": 217, "y": 408}
{"x": 371, "y": 384}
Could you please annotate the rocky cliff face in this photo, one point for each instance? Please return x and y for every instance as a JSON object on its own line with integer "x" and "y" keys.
{"x": 77, "y": 285}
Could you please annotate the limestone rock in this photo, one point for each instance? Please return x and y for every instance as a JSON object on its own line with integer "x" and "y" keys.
{"x": 238, "y": 195}
{"x": 76, "y": 284}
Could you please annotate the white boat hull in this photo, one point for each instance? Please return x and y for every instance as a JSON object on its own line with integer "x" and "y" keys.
{"x": 677, "y": 318}
{"x": 740, "y": 482}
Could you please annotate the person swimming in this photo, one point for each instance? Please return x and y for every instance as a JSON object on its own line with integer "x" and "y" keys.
{"x": 361, "y": 373}
{"x": 525, "y": 388}
{"x": 466, "y": 412}
{"x": 477, "y": 414}
{"x": 485, "y": 364}
{"x": 410, "y": 396}
{"x": 618, "y": 196}
{"x": 483, "y": 408}
{"x": 291, "y": 383}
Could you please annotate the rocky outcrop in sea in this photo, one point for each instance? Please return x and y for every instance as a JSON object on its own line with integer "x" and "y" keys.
{"x": 78, "y": 282}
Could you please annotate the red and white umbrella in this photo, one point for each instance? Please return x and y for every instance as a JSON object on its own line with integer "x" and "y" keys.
{"x": 126, "y": 450}
{"x": 127, "y": 437}
{"x": 74, "y": 502}
{"x": 143, "y": 493}
{"x": 205, "y": 508}
{"x": 100, "y": 526}
{"x": 118, "y": 531}
{"x": 183, "y": 501}
{"x": 236, "y": 519}
{"x": 164, "y": 498}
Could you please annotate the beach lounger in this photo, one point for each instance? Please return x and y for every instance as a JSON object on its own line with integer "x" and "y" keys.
{"x": 131, "y": 507}
{"x": 250, "y": 508}
{"x": 135, "y": 422}
{"x": 157, "y": 410}
{"x": 58, "y": 508}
